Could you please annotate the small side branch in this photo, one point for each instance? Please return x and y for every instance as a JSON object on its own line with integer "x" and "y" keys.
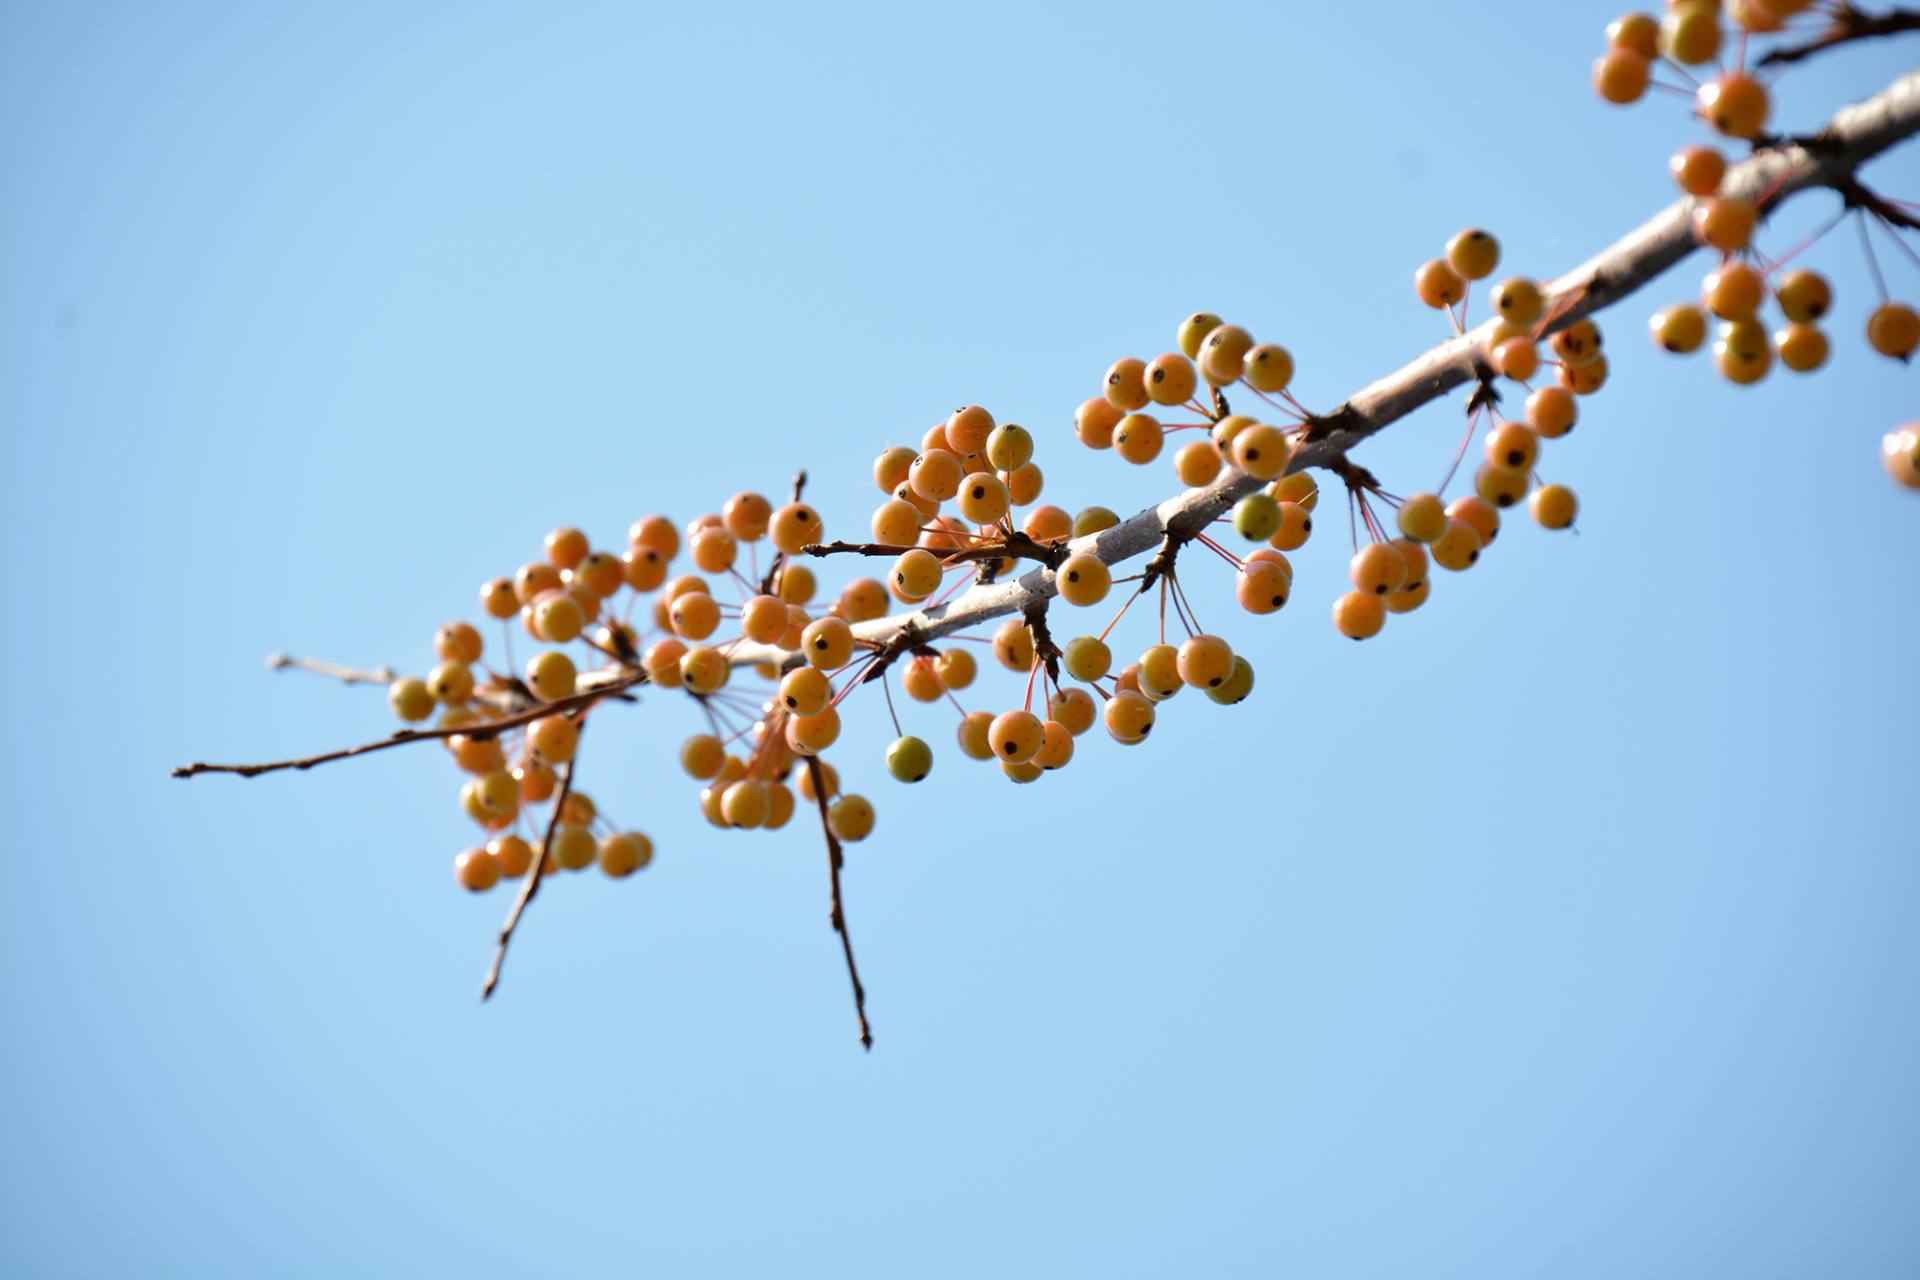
{"x": 837, "y": 914}
{"x": 479, "y": 730}
{"x": 530, "y": 885}
{"x": 332, "y": 670}
{"x": 1849, "y": 24}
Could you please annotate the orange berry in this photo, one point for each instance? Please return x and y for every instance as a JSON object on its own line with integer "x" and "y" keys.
{"x": 1013, "y": 646}
{"x": 1171, "y": 379}
{"x": 793, "y": 527}
{"x": 1804, "y": 296}
{"x": 1742, "y": 353}
{"x": 746, "y": 516}
{"x": 1639, "y": 32}
{"x": 1269, "y": 368}
{"x": 956, "y": 668}
{"x": 968, "y": 428}
{"x": 1578, "y": 343}
{"x": 1516, "y": 358}
{"x": 643, "y": 568}
{"x": 916, "y": 575}
{"x": 477, "y": 870}
{"x": 1126, "y": 384}
{"x": 1621, "y": 76}
{"x": 1025, "y": 483}
{"x": 1725, "y": 223}
{"x": 1378, "y": 568}
{"x": 566, "y": 548}
{"x": 1551, "y": 413}
{"x": 1802, "y": 347}
{"x": 1478, "y": 513}
{"x": 1512, "y": 446}
{"x": 1223, "y": 356}
{"x": 1074, "y": 709}
{"x": 896, "y": 522}
{"x": 1422, "y": 517}
{"x": 1690, "y": 33}
{"x": 656, "y": 532}
{"x": 1048, "y": 524}
{"x": 1518, "y": 300}
{"x": 1735, "y": 104}
{"x": 498, "y": 598}
{"x": 1438, "y": 285}
{"x": 983, "y": 498}
{"x": 1554, "y": 506}
{"x": 1297, "y": 488}
{"x": 1205, "y": 662}
{"x": 1010, "y": 447}
{"x": 1094, "y": 422}
{"x": 1900, "y": 453}
{"x": 694, "y": 616}
{"x": 1359, "y": 615}
{"x": 410, "y": 699}
{"x": 662, "y": 662}
{"x": 625, "y": 853}
{"x": 1296, "y": 526}
{"x": 1680, "y": 328}
{"x": 1197, "y": 463}
{"x": 536, "y": 579}
{"x": 1894, "y": 330}
{"x": 1261, "y": 451}
{"x": 457, "y": 642}
{"x": 1129, "y": 717}
{"x": 514, "y": 855}
{"x": 1583, "y": 379}
{"x": 1138, "y": 438}
{"x": 810, "y": 735}
{"x": 1473, "y": 253}
{"x": 1698, "y": 169}
{"x": 1734, "y": 291}
{"x": 1262, "y": 587}
{"x": 553, "y": 738}
{"x": 1500, "y": 485}
{"x": 1083, "y": 579}
{"x": 1015, "y": 736}
{"x": 827, "y": 643}
{"x": 936, "y": 476}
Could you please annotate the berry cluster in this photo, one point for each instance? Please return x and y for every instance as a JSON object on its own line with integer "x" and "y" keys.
{"x": 1737, "y": 105}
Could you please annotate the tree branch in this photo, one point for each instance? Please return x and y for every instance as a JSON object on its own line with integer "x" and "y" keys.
{"x": 837, "y": 914}
{"x": 530, "y": 884}
{"x": 1854, "y": 135}
{"x": 601, "y": 688}
{"x": 332, "y": 670}
{"x": 1848, "y": 24}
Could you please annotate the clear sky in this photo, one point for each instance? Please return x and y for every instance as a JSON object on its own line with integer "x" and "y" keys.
{"x": 1567, "y": 929}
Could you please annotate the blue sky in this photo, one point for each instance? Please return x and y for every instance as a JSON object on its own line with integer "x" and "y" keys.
{"x": 1566, "y": 929}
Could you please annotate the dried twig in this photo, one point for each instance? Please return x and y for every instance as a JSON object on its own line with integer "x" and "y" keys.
{"x": 530, "y": 883}
{"x": 332, "y": 670}
{"x": 478, "y": 730}
{"x": 1849, "y": 24}
{"x": 837, "y": 913}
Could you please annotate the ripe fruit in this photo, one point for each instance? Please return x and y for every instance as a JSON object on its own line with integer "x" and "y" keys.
{"x": 1359, "y": 615}
{"x": 1010, "y": 447}
{"x": 935, "y": 476}
{"x": 1512, "y": 446}
{"x": 1205, "y": 662}
{"x": 1500, "y": 485}
{"x": 955, "y": 668}
{"x": 1083, "y": 579}
{"x": 1138, "y": 438}
{"x": 1056, "y": 749}
{"x": 1438, "y": 285}
{"x": 1378, "y": 568}
{"x": 513, "y": 854}
{"x": 1075, "y": 709}
{"x": 1680, "y": 328}
{"x": 969, "y": 428}
{"x": 566, "y": 548}
{"x": 477, "y": 870}
{"x": 1900, "y": 453}
{"x": 1804, "y": 296}
{"x": 827, "y": 643}
{"x": 1128, "y": 717}
{"x": 498, "y": 598}
{"x": 1554, "y": 506}
{"x": 554, "y": 739}
{"x": 916, "y": 575}
{"x": 551, "y": 676}
{"x": 1126, "y": 386}
{"x": 1013, "y": 646}
{"x": 1422, "y": 517}
{"x": 1194, "y": 330}
{"x": 896, "y": 522}
{"x": 1894, "y": 330}
{"x": 972, "y": 735}
{"x": 1015, "y": 736}
{"x": 573, "y": 848}
{"x": 1698, "y": 169}
{"x": 1583, "y": 379}
{"x": 1734, "y": 292}
{"x": 1094, "y": 422}
{"x": 1578, "y": 343}
{"x": 1086, "y": 658}
{"x": 1516, "y": 358}
{"x": 1802, "y": 347}
{"x": 806, "y": 691}
{"x": 1473, "y": 253}
{"x": 1690, "y": 33}
{"x": 1725, "y": 223}
{"x": 457, "y": 642}
{"x": 1269, "y": 368}
{"x": 694, "y": 616}
{"x": 851, "y": 818}
{"x": 703, "y": 670}
{"x": 1742, "y": 353}
{"x": 1517, "y": 300}
{"x": 1158, "y": 672}
{"x": 810, "y": 735}
{"x": 1551, "y": 413}
{"x": 1296, "y": 526}
{"x": 625, "y": 853}
{"x": 1170, "y": 380}
{"x": 1197, "y": 463}
{"x": 1458, "y": 547}
{"x": 1262, "y": 587}
{"x": 410, "y": 699}
{"x": 1621, "y": 76}
{"x": 451, "y": 683}
{"x": 1261, "y": 451}
{"x": 1735, "y": 104}
{"x": 1223, "y": 356}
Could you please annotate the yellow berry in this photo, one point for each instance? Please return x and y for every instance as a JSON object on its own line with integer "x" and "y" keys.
{"x": 1735, "y": 104}
{"x": 1422, "y": 517}
{"x": 1804, "y": 296}
{"x": 1083, "y": 579}
{"x": 1698, "y": 170}
{"x": 1802, "y": 347}
{"x": 1205, "y": 662}
{"x": 1680, "y": 328}
{"x": 1473, "y": 253}
{"x": 1138, "y": 438}
{"x": 476, "y": 870}
{"x": 1553, "y": 506}
{"x": 1197, "y": 463}
{"x": 1128, "y": 716}
{"x": 410, "y": 699}
{"x": 1261, "y": 451}
{"x": 1170, "y": 379}
{"x": 1359, "y": 615}
{"x": 1194, "y": 330}
{"x": 1894, "y": 330}
{"x": 624, "y": 853}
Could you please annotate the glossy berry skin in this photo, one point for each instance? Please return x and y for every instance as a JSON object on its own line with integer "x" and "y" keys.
{"x": 969, "y": 428}
{"x": 1237, "y": 686}
{"x": 498, "y": 598}
{"x": 1422, "y": 517}
{"x": 915, "y": 576}
{"x": 1205, "y": 662}
{"x": 1517, "y": 359}
{"x": 1377, "y": 569}
{"x": 1091, "y": 520}
{"x": 1690, "y": 33}
{"x": 956, "y": 668}
{"x": 1578, "y": 343}
{"x": 558, "y": 618}
{"x": 1621, "y": 76}
{"x": 566, "y": 548}
{"x": 1725, "y": 223}
{"x": 1075, "y": 709}
{"x": 1698, "y": 170}
{"x": 1013, "y": 646}
{"x": 1894, "y": 330}
{"x": 794, "y": 526}
{"x": 1198, "y": 463}
{"x": 555, "y": 738}
{"x": 1296, "y": 526}
{"x": 703, "y": 670}
{"x": 1298, "y": 488}
{"x": 972, "y": 735}
{"x": 805, "y": 691}
{"x": 624, "y": 853}
{"x": 1129, "y": 717}
{"x": 1474, "y": 253}
{"x": 1554, "y": 506}
{"x": 1086, "y": 658}
{"x": 662, "y": 661}
{"x": 810, "y": 735}
{"x": 1223, "y": 356}
{"x": 1735, "y": 104}
{"x": 1010, "y": 447}
{"x": 451, "y": 683}
{"x": 936, "y": 476}
{"x": 1583, "y": 379}
{"x": 827, "y": 643}
{"x": 1083, "y": 580}
{"x": 1500, "y": 485}
{"x": 1015, "y": 736}
{"x": 1170, "y": 379}
{"x": 1804, "y": 296}
{"x": 1734, "y": 292}
{"x": 1193, "y": 332}
{"x": 1680, "y": 328}
{"x": 1513, "y": 446}
{"x": 1900, "y": 453}
{"x": 1158, "y": 672}
{"x": 1438, "y": 285}
{"x": 1094, "y": 422}
{"x": 1126, "y": 385}
{"x": 551, "y": 676}
{"x": 1517, "y": 300}
{"x": 1801, "y": 347}
{"x": 1269, "y": 368}
{"x": 909, "y": 759}
{"x": 851, "y": 818}
{"x": 920, "y": 681}
{"x": 514, "y": 855}
{"x": 457, "y": 642}
{"x": 1551, "y": 412}
{"x": 1457, "y": 548}
{"x": 410, "y": 699}
{"x": 1261, "y": 451}
{"x": 1056, "y": 751}
{"x": 1359, "y": 615}
{"x": 476, "y": 870}
{"x": 574, "y": 848}
{"x": 694, "y": 616}
{"x": 1262, "y": 587}
{"x": 1742, "y": 353}
{"x": 1256, "y": 517}
{"x": 1138, "y": 438}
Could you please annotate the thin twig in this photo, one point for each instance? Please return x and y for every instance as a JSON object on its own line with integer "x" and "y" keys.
{"x": 530, "y": 884}
{"x": 774, "y": 567}
{"x": 838, "y": 914}
{"x": 480, "y": 729}
{"x": 332, "y": 670}
{"x": 1849, "y": 24}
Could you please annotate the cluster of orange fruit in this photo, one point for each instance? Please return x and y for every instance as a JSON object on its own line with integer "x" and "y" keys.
{"x": 1735, "y": 104}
